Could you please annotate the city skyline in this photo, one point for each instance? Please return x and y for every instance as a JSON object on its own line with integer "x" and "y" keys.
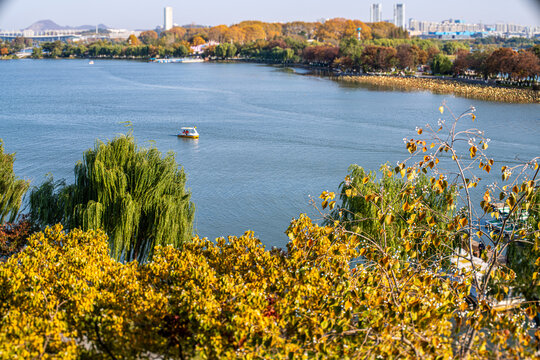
{"x": 18, "y": 14}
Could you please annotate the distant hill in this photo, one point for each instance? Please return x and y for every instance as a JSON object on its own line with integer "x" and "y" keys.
{"x": 43, "y": 25}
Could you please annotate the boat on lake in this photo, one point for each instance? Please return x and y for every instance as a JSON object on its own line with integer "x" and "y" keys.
{"x": 189, "y": 132}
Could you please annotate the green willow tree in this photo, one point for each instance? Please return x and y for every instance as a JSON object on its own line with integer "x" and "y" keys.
{"x": 12, "y": 189}
{"x": 367, "y": 216}
{"x": 137, "y": 196}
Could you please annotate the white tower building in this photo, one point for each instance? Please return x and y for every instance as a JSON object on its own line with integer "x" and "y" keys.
{"x": 399, "y": 15}
{"x": 167, "y": 18}
{"x": 375, "y": 13}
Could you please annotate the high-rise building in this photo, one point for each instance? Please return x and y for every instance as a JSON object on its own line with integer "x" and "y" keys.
{"x": 399, "y": 15}
{"x": 167, "y": 18}
{"x": 375, "y": 13}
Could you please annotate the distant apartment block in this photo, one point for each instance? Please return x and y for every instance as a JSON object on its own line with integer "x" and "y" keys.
{"x": 375, "y": 14}
{"x": 167, "y": 18}
{"x": 399, "y": 15}
{"x": 458, "y": 29}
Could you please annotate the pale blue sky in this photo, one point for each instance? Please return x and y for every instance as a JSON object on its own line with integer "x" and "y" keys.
{"x": 146, "y": 14}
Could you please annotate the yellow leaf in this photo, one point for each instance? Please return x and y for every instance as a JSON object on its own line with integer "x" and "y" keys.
{"x": 441, "y": 109}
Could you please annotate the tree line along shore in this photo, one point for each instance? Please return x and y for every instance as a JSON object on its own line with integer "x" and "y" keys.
{"x": 335, "y": 45}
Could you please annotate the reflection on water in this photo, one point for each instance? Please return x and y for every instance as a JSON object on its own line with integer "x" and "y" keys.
{"x": 268, "y": 140}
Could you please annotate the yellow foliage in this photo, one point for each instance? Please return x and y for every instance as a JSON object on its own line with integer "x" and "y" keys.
{"x": 64, "y": 297}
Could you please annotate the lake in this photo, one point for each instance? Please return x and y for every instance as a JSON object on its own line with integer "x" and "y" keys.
{"x": 270, "y": 138}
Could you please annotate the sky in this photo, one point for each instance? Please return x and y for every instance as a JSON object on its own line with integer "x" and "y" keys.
{"x": 147, "y": 14}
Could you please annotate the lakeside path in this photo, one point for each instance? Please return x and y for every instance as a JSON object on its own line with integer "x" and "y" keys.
{"x": 438, "y": 86}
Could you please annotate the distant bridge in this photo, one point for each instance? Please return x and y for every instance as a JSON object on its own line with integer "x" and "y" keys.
{"x": 42, "y": 36}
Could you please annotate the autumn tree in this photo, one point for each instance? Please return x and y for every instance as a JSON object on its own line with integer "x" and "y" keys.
{"x": 14, "y": 236}
{"x": 18, "y": 43}
{"x": 338, "y": 28}
{"x": 501, "y": 61}
{"x": 132, "y": 40}
{"x": 177, "y": 32}
{"x": 479, "y": 328}
{"x": 478, "y": 63}
{"x": 378, "y": 58}
{"x": 148, "y": 37}
{"x": 407, "y": 56}
{"x": 253, "y": 32}
{"x": 322, "y": 54}
{"x": 462, "y": 62}
{"x": 431, "y": 52}
{"x": 235, "y": 34}
{"x": 527, "y": 66}
{"x": 386, "y": 30}
{"x": 218, "y": 33}
{"x": 197, "y": 40}
{"x": 299, "y": 28}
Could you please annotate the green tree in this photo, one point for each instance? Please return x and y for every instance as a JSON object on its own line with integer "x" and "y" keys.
{"x": 225, "y": 50}
{"x": 12, "y": 189}
{"x": 231, "y": 51}
{"x": 37, "y": 53}
{"x": 137, "y": 196}
{"x": 451, "y": 47}
{"x": 441, "y": 64}
{"x": 180, "y": 50}
{"x": 361, "y": 214}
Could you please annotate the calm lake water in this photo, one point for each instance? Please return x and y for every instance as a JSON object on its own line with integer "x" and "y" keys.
{"x": 270, "y": 139}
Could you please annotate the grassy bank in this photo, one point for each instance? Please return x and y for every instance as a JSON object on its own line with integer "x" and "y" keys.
{"x": 437, "y": 86}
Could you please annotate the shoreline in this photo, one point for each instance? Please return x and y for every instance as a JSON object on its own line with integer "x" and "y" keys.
{"x": 446, "y": 86}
